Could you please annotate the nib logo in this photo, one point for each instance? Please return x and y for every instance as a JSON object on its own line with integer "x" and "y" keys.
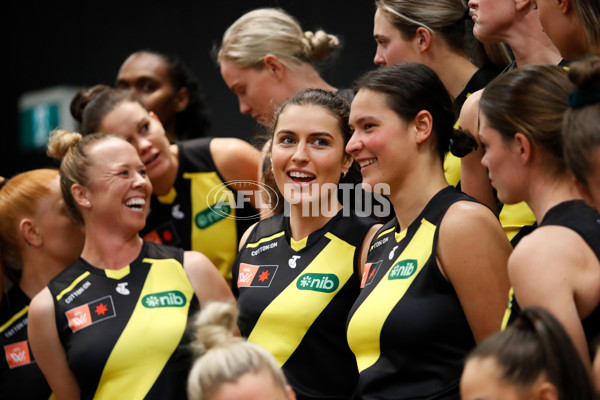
{"x": 90, "y": 313}
{"x": 318, "y": 282}
{"x": 17, "y": 354}
{"x": 256, "y": 275}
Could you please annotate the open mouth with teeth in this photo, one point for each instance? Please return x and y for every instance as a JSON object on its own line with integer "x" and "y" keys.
{"x": 365, "y": 163}
{"x": 151, "y": 160}
{"x": 137, "y": 203}
{"x": 301, "y": 177}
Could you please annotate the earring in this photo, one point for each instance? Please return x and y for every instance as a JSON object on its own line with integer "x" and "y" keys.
{"x": 87, "y": 203}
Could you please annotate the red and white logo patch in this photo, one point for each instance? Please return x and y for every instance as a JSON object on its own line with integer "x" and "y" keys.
{"x": 256, "y": 275}
{"x": 91, "y": 313}
{"x": 17, "y": 354}
{"x": 79, "y": 317}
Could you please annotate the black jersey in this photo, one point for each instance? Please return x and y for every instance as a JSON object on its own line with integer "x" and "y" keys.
{"x": 124, "y": 330}
{"x": 20, "y": 376}
{"x": 407, "y": 329}
{"x": 294, "y": 297}
{"x": 584, "y": 220}
{"x": 200, "y": 208}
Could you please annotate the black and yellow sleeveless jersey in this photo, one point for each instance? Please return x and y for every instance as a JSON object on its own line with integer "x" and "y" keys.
{"x": 200, "y": 213}
{"x": 294, "y": 298}
{"x": 124, "y": 331}
{"x": 20, "y": 376}
{"x": 575, "y": 215}
{"x": 407, "y": 328}
{"x": 478, "y": 81}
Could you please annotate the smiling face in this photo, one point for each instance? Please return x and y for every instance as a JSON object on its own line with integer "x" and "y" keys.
{"x": 259, "y": 92}
{"x": 503, "y": 163}
{"x": 380, "y": 143}
{"x": 392, "y": 47}
{"x": 147, "y": 74}
{"x": 119, "y": 189}
{"x": 145, "y": 132}
{"x": 307, "y": 153}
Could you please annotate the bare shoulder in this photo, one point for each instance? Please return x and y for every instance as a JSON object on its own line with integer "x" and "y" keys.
{"x": 246, "y": 235}
{"x": 41, "y": 304}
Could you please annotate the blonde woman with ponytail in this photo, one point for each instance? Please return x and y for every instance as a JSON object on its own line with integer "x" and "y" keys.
{"x": 265, "y": 57}
{"x": 229, "y": 367}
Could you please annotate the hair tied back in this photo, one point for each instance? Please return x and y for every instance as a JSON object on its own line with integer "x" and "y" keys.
{"x": 582, "y": 98}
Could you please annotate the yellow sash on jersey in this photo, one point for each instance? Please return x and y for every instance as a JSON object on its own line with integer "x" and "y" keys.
{"x": 283, "y": 323}
{"x": 139, "y": 356}
{"x": 452, "y": 169}
{"x": 219, "y": 240}
{"x": 514, "y": 217}
{"x": 364, "y": 329}
{"x": 509, "y": 310}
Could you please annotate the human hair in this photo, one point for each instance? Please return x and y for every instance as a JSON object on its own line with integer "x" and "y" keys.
{"x": 72, "y": 148}
{"x": 193, "y": 120}
{"x": 536, "y": 344}
{"x": 20, "y": 197}
{"x": 448, "y": 18}
{"x": 581, "y": 121}
{"x": 412, "y": 87}
{"x": 90, "y": 106}
{"x": 530, "y": 100}
{"x": 273, "y": 31}
{"x": 222, "y": 357}
{"x": 588, "y": 14}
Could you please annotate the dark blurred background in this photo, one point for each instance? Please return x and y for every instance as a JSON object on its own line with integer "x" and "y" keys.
{"x": 56, "y": 43}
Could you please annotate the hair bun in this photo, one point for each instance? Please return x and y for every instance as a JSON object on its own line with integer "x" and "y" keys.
{"x": 82, "y": 99}
{"x": 61, "y": 141}
{"x": 585, "y": 74}
{"x": 319, "y": 45}
{"x": 214, "y": 327}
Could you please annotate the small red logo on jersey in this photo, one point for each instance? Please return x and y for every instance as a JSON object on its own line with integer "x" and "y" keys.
{"x": 256, "y": 275}
{"x": 79, "y": 317}
{"x": 369, "y": 273}
{"x": 17, "y": 354}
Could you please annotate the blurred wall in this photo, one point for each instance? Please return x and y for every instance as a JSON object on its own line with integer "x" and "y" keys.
{"x": 83, "y": 43}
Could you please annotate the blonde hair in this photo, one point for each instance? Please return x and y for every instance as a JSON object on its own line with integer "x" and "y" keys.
{"x": 273, "y": 31}
{"x": 72, "y": 147}
{"x": 20, "y": 197}
{"x": 223, "y": 357}
{"x": 446, "y": 17}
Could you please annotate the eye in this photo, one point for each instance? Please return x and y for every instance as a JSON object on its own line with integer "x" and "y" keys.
{"x": 145, "y": 128}
{"x": 286, "y": 140}
{"x": 124, "y": 173}
{"x": 322, "y": 142}
{"x": 142, "y": 172}
{"x": 147, "y": 86}
{"x": 368, "y": 127}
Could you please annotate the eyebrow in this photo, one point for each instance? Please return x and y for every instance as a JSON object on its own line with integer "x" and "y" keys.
{"x": 312, "y": 134}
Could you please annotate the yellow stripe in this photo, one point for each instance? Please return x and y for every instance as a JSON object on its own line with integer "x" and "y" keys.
{"x": 364, "y": 329}
{"x": 151, "y": 335}
{"x": 267, "y": 239}
{"x": 72, "y": 285}
{"x": 14, "y": 318}
{"x": 452, "y": 169}
{"x": 509, "y": 310}
{"x": 169, "y": 197}
{"x": 298, "y": 245}
{"x": 117, "y": 273}
{"x": 280, "y": 330}
{"x": 385, "y": 232}
{"x": 513, "y": 217}
{"x": 219, "y": 241}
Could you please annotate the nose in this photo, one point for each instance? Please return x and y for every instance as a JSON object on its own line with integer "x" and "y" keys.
{"x": 244, "y": 107}
{"x": 353, "y": 145}
{"x": 379, "y": 59}
{"x": 142, "y": 145}
{"x": 484, "y": 160}
{"x": 472, "y": 4}
{"x": 300, "y": 154}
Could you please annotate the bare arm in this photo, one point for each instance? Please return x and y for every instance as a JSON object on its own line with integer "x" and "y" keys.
{"x": 209, "y": 285}
{"x": 474, "y": 179}
{"x": 245, "y": 236}
{"x": 548, "y": 268}
{"x": 472, "y": 253}
{"x": 47, "y": 348}
{"x": 364, "y": 249}
{"x": 237, "y": 161}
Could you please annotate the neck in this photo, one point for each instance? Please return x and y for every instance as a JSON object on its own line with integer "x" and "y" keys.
{"x": 104, "y": 249}
{"x": 529, "y": 43}
{"x": 410, "y": 196}
{"x": 547, "y": 191}
{"x": 305, "y": 76}
{"x": 303, "y": 221}
{"x": 163, "y": 184}
{"x": 454, "y": 70}
{"x": 38, "y": 271}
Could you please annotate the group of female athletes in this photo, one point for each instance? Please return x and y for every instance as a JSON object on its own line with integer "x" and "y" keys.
{"x": 160, "y": 263}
